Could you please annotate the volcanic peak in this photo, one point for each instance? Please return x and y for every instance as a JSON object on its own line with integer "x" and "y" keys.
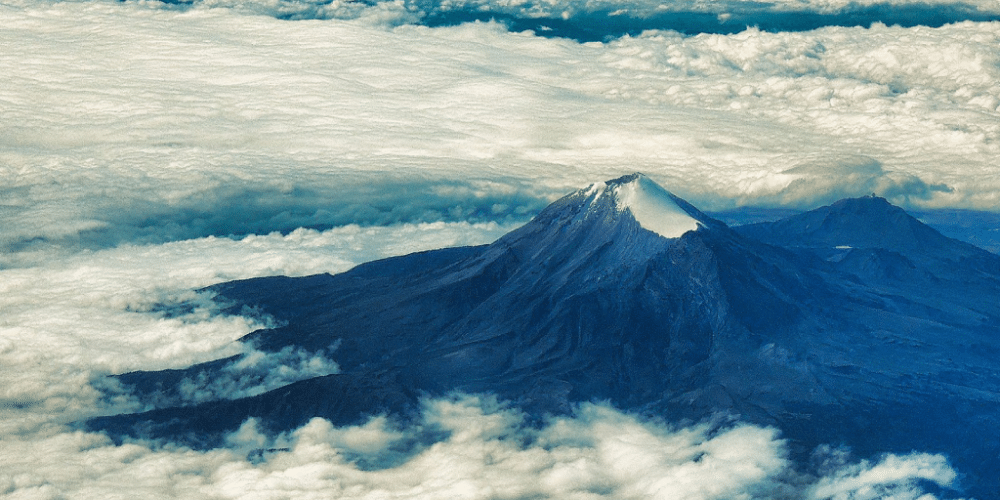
{"x": 654, "y": 208}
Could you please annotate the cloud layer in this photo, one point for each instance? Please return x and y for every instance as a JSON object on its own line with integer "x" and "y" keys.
{"x": 463, "y": 447}
{"x": 209, "y": 122}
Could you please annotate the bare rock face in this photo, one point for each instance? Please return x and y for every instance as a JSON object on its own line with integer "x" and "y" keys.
{"x": 852, "y": 324}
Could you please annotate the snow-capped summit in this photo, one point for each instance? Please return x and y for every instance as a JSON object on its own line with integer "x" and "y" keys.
{"x": 653, "y": 207}
{"x": 630, "y": 218}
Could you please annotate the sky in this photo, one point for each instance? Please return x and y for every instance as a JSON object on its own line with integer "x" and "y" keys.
{"x": 150, "y": 149}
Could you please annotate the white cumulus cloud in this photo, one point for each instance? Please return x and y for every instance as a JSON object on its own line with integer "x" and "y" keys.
{"x": 462, "y": 447}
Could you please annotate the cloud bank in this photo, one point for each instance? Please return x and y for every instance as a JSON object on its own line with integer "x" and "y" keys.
{"x": 94, "y": 220}
{"x": 211, "y": 122}
{"x": 463, "y": 447}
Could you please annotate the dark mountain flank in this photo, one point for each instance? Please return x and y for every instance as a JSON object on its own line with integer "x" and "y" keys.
{"x": 851, "y": 324}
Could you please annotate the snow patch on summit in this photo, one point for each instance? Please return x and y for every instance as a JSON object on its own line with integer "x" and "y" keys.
{"x": 653, "y": 207}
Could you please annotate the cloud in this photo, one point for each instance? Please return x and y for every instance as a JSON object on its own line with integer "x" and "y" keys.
{"x": 463, "y": 446}
{"x": 892, "y": 476}
{"x": 826, "y": 180}
{"x": 253, "y": 373}
{"x": 100, "y": 220}
{"x": 218, "y": 132}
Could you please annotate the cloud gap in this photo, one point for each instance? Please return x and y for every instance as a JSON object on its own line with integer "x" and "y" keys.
{"x": 603, "y": 21}
{"x": 605, "y": 25}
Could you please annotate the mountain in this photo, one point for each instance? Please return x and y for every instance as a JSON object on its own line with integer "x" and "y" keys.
{"x": 871, "y": 223}
{"x": 885, "y": 247}
{"x": 850, "y": 324}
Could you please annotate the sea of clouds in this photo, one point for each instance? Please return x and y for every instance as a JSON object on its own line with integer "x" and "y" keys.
{"x": 150, "y": 149}
{"x": 464, "y": 447}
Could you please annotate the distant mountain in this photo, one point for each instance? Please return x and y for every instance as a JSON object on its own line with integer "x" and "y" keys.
{"x": 882, "y": 245}
{"x": 853, "y": 324}
{"x": 868, "y": 223}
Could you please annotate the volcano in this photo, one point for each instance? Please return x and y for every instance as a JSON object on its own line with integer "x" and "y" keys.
{"x": 853, "y": 324}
